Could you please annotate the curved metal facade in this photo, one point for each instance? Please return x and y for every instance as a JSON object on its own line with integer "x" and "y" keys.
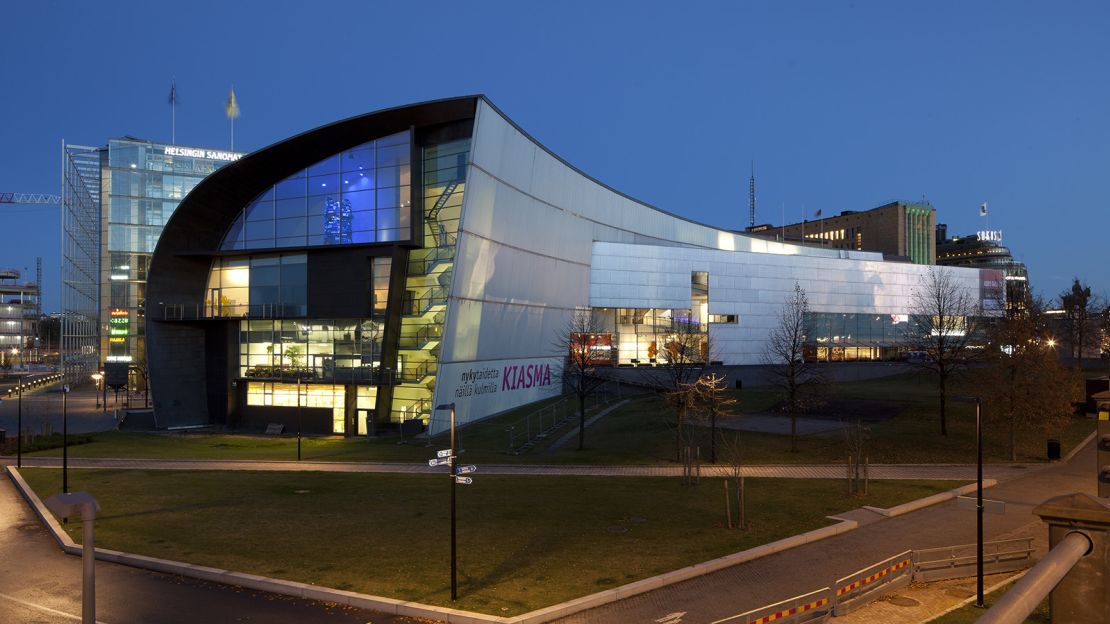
{"x": 474, "y": 306}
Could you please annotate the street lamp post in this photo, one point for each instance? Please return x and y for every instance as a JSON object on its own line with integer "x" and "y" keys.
{"x": 979, "y": 503}
{"x": 65, "y": 442}
{"x": 97, "y": 377}
{"x": 451, "y": 462}
{"x": 978, "y": 497}
{"x": 298, "y": 418}
{"x": 19, "y": 426}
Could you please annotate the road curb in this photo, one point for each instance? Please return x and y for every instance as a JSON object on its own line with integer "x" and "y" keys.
{"x": 929, "y": 501}
{"x": 1079, "y": 447}
{"x": 415, "y": 609}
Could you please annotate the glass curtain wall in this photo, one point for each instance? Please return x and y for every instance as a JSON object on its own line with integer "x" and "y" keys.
{"x": 428, "y": 282}
{"x": 362, "y": 195}
{"x": 832, "y": 337}
{"x": 273, "y": 286}
{"x": 80, "y": 345}
{"x": 142, "y": 184}
{"x": 644, "y": 334}
{"x": 340, "y": 350}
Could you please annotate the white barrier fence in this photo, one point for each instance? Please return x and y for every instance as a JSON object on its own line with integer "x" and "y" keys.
{"x": 866, "y": 585}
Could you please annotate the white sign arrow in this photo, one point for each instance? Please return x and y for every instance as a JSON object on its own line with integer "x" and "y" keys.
{"x": 464, "y": 480}
{"x": 444, "y": 453}
{"x": 439, "y": 462}
{"x": 466, "y": 469}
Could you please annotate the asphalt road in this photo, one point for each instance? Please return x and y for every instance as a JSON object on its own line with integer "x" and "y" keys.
{"x": 40, "y": 584}
{"x": 42, "y": 411}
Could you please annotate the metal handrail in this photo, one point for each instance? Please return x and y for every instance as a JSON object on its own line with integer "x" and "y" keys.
{"x": 1023, "y": 598}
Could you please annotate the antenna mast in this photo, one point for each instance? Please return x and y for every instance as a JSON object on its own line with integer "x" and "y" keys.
{"x": 751, "y": 198}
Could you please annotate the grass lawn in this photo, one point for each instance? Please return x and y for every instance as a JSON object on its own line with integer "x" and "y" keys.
{"x": 970, "y": 613}
{"x": 642, "y": 432}
{"x": 524, "y": 542}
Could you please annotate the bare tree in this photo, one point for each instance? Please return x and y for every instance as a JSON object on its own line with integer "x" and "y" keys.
{"x": 685, "y": 353}
{"x": 946, "y": 322}
{"x": 855, "y": 442}
{"x": 1023, "y": 383}
{"x": 732, "y": 453}
{"x": 798, "y": 382}
{"x": 713, "y": 401}
{"x": 579, "y": 342}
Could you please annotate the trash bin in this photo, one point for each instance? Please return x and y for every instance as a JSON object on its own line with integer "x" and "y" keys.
{"x": 739, "y": 384}
{"x": 1053, "y": 449}
{"x": 3, "y": 435}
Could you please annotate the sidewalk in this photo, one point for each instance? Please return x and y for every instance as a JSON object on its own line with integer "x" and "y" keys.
{"x": 955, "y": 472}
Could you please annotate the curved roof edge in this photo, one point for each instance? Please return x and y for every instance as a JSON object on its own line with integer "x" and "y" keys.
{"x": 589, "y": 177}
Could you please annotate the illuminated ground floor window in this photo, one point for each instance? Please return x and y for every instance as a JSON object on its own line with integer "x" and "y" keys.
{"x": 331, "y": 396}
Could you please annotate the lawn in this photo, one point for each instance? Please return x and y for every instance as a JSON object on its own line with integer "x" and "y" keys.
{"x": 641, "y": 431}
{"x": 524, "y": 542}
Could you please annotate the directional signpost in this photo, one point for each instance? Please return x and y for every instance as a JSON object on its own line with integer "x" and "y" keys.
{"x": 448, "y": 457}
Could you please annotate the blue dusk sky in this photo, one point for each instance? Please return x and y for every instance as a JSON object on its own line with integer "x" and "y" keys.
{"x": 842, "y": 105}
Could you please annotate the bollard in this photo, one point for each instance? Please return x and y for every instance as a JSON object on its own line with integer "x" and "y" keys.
{"x": 1082, "y": 597}
{"x": 83, "y": 504}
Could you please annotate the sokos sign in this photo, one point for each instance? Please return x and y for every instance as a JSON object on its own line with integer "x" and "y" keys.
{"x": 488, "y": 388}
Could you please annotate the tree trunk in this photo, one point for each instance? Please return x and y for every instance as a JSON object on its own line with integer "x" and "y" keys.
{"x": 793, "y": 431}
{"x": 713, "y": 437}
{"x": 943, "y": 405}
{"x": 1013, "y": 438}
{"x": 681, "y": 413}
{"x": 728, "y": 505}
{"x": 740, "y": 515}
{"x": 581, "y": 421}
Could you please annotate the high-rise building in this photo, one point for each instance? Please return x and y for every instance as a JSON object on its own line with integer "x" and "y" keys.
{"x": 984, "y": 250}
{"x": 19, "y": 316}
{"x": 898, "y": 230}
{"x": 116, "y": 198}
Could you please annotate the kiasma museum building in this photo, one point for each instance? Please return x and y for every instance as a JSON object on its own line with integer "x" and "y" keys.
{"x": 364, "y": 272}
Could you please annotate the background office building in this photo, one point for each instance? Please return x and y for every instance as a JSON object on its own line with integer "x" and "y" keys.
{"x": 984, "y": 250}
{"x": 116, "y": 200}
{"x": 360, "y": 274}
{"x": 898, "y": 230}
{"x": 19, "y": 317}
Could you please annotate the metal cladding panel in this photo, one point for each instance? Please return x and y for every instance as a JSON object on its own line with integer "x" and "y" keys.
{"x": 505, "y": 152}
{"x": 526, "y": 243}
{"x": 755, "y": 285}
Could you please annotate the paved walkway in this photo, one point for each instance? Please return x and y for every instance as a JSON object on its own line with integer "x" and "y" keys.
{"x": 955, "y": 472}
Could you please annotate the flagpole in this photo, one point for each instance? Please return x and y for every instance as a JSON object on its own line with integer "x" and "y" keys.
{"x": 232, "y": 113}
{"x": 173, "y": 111}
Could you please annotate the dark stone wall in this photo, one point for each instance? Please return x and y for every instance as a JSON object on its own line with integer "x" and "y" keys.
{"x": 339, "y": 282}
{"x": 255, "y": 418}
{"x": 180, "y": 363}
